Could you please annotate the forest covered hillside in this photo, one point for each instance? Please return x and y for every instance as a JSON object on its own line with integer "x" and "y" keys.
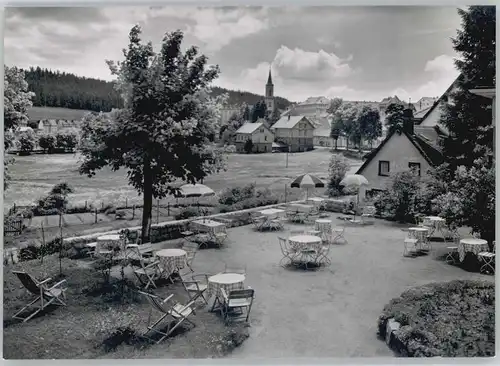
{"x": 63, "y": 90}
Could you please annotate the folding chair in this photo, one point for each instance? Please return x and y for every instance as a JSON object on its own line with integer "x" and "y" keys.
{"x": 190, "y": 248}
{"x": 368, "y": 214}
{"x": 54, "y": 294}
{"x": 488, "y": 259}
{"x": 194, "y": 287}
{"x": 338, "y": 233}
{"x": 233, "y": 269}
{"x": 276, "y": 224}
{"x": 148, "y": 274}
{"x": 220, "y": 236}
{"x": 452, "y": 251}
{"x": 323, "y": 255}
{"x": 177, "y": 313}
{"x": 237, "y": 299}
{"x": 258, "y": 222}
{"x": 288, "y": 253}
{"x": 410, "y": 245}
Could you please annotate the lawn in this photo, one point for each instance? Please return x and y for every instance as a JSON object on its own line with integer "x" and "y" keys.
{"x": 331, "y": 312}
{"x": 38, "y": 113}
{"x": 33, "y": 176}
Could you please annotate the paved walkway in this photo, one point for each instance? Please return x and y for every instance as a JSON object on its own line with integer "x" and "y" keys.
{"x": 332, "y": 312}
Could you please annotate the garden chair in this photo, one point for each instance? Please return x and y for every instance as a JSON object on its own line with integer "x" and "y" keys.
{"x": 323, "y": 257}
{"x": 288, "y": 253}
{"x": 177, "y": 314}
{"x": 488, "y": 260}
{"x": 276, "y": 224}
{"x": 258, "y": 222}
{"x": 220, "y": 236}
{"x": 233, "y": 269}
{"x": 337, "y": 233}
{"x": 452, "y": 251}
{"x": 237, "y": 300}
{"x": 190, "y": 248}
{"x": 195, "y": 287}
{"x": 368, "y": 214}
{"x": 44, "y": 295}
{"x": 410, "y": 246}
{"x": 148, "y": 273}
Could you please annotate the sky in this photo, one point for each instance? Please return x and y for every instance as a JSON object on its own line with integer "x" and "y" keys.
{"x": 355, "y": 53}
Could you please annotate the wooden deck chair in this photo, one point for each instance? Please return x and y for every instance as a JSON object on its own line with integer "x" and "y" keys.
{"x": 196, "y": 286}
{"x": 488, "y": 260}
{"x": 237, "y": 300}
{"x": 176, "y": 314}
{"x": 45, "y": 295}
{"x": 148, "y": 273}
{"x": 234, "y": 269}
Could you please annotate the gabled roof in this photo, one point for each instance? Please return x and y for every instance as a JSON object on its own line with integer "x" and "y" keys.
{"x": 290, "y": 122}
{"x": 422, "y": 112}
{"x": 316, "y": 100}
{"x": 430, "y": 153}
{"x": 441, "y": 98}
{"x": 249, "y": 127}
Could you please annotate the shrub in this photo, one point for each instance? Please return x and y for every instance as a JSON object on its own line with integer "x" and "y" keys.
{"x": 55, "y": 202}
{"x": 451, "y": 319}
{"x": 66, "y": 141}
{"x": 47, "y": 143}
{"x": 186, "y": 213}
{"x": 339, "y": 166}
{"x": 230, "y": 196}
{"x": 27, "y": 143}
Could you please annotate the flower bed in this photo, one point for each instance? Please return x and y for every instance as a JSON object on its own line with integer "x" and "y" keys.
{"x": 451, "y": 319}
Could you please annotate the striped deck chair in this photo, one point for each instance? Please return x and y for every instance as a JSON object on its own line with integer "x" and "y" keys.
{"x": 175, "y": 315}
{"x": 45, "y": 295}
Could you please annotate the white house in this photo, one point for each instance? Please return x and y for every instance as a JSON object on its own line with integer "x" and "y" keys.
{"x": 262, "y": 138}
{"x": 414, "y": 147}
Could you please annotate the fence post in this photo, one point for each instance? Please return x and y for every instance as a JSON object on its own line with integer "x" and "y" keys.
{"x": 85, "y": 205}
{"x": 43, "y": 244}
{"x": 102, "y": 204}
{"x": 157, "y": 211}
{"x": 133, "y": 212}
{"x": 168, "y": 208}
{"x": 285, "y": 192}
{"x": 126, "y": 202}
{"x": 95, "y": 211}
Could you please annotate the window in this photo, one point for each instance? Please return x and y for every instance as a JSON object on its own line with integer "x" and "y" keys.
{"x": 383, "y": 168}
{"x": 261, "y": 130}
{"x": 265, "y": 138}
{"x": 415, "y": 167}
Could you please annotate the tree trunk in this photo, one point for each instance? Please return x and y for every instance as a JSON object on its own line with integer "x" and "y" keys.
{"x": 147, "y": 200}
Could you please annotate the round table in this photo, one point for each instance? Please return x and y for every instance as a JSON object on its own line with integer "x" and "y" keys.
{"x": 323, "y": 225}
{"x": 109, "y": 242}
{"x": 227, "y": 281}
{"x": 438, "y": 223}
{"x": 419, "y": 233}
{"x": 301, "y": 242}
{"x": 472, "y": 245}
{"x": 171, "y": 260}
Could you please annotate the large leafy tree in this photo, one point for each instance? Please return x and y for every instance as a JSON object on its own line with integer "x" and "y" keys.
{"x": 16, "y": 100}
{"x": 259, "y": 110}
{"x": 468, "y": 116}
{"x": 345, "y": 119}
{"x": 334, "y": 105}
{"x": 369, "y": 123}
{"x": 162, "y": 133}
{"x": 395, "y": 117}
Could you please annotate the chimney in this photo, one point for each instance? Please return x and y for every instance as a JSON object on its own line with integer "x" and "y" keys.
{"x": 408, "y": 123}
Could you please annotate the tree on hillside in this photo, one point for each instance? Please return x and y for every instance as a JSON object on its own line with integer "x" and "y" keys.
{"x": 162, "y": 133}
{"x": 346, "y": 119}
{"x": 274, "y": 117}
{"x": 246, "y": 112}
{"x": 334, "y": 105}
{"x": 394, "y": 117}
{"x": 369, "y": 123}
{"x": 468, "y": 116}
{"x": 259, "y": 110}
{"x": 16, "y": 101}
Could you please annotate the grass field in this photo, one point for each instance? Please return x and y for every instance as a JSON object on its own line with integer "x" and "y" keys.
{"x": 33, "y": 176}
{"x": 38, "y": 113}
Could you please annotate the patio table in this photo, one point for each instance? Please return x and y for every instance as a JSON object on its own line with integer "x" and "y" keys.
{"x": 419, "y": 233}
{"x": 304, "y": 242}
{"x": 171, "y": 260}
{"x": 324, "y": 227}
{"x": 210, "y": 227}
{"x": 108, "y": 243}
{"x": 471, "y": 245}
{"x": 271, "y": 214}
{"x": 227, "y": 281}
{"x": 438, "y": 224}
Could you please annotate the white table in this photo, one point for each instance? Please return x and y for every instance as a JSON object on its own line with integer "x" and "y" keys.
{"x": 227, "y": 281}
{"x": 210, "y": 227}
{"x": 171, "y": 260}
{"x": 109, "y": 243}
{"x": 323, "y": 225}
{"x": 472, "y": 245}
{"x": 304, "y": 242}
{"x": 271, "y": 214}
{"x": 419, "y": 233}
{"x": 437, "y": 224}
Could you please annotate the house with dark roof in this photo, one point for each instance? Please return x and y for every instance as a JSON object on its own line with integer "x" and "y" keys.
{"x": 296, "y": 132}
{"x": 413, "y": 147}
{"x": 261, "y": 136}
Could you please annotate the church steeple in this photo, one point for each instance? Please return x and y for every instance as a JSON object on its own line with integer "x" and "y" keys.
{"x": 269, "y": 79}
{"x": 270, "y": 92}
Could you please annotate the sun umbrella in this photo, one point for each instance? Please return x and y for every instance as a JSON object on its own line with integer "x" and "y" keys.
{"x": 354, "y": 180}
{"x": 307, "y": 181}
{"x": 195, "y": 190}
